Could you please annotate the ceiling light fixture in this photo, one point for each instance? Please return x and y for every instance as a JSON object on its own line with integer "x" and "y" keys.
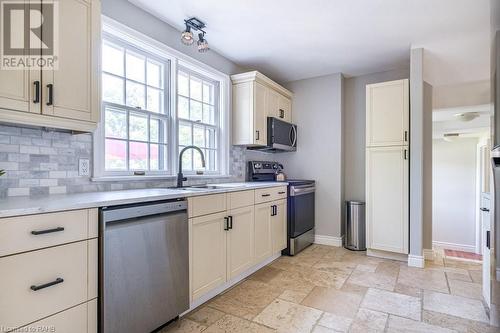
{"x": 194, "y": 24}
{"x": 467, "y": 116}
{"x": 202, "y": 43}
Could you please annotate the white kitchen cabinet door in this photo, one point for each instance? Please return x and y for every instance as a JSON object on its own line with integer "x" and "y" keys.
{"x": 387, "y": 198}
{"x": 260, "y": 114}
{"x": 387, "y": 113}
{"x": 240, "y": 240}
{"x": 207, "y": 244}
{"x": 285, "y": 109}
{"x": 72, "y": 90}
{"x": 19, "y": 89}
{"x": 273, "y": 100}
{"x": 279, "y": 225}
{"x": 263, "y": 240}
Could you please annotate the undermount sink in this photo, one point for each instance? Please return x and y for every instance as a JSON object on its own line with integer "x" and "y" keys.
{"x": 208, "y": 187}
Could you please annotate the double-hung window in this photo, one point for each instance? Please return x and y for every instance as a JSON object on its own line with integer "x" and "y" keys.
{"x": 198, "y": 118}
{"x": 135, "y": 106}
{"x": 155, "y": 102}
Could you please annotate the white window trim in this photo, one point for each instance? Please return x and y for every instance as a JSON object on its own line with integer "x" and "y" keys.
{"x": 176, "y": 58}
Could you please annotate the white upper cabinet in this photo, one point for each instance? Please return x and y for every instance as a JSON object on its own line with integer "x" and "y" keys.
{"x": 387, "y": 113}
{"x": 68, "y": 96}
{"x": 256, "y": 97}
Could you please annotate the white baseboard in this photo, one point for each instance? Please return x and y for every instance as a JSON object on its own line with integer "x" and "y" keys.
{"x": 454, "y": 246}
{"x": 428, "y": 254}
{"x": 386, "y": 255}
{"x": 328, "y": 240}
{"x": 212, "y": 293}
{"x": 416, "y": 261}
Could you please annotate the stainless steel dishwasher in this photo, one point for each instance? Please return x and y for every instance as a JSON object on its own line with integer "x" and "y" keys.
{"x": 143, "y": 265}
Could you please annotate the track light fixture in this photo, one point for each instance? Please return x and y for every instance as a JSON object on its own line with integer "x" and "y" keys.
{"x": 194, "y": 24}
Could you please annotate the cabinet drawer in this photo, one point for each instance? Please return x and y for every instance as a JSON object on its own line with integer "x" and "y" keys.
{"x": 240, "y": 199}
{"x": 206, "y": 204}
{"x": 78, "y": 319}
{"x": 20, "y": 304}
{"x": 270, "y": 194}
{"x": 31, "y": 232}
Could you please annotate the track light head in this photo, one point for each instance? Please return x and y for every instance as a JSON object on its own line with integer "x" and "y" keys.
{"x": 187, "y": 36}
{"x": 202, "y": 43}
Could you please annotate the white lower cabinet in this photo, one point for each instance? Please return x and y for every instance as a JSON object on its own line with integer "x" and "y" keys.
{"x": 225, "y": 245}
{"x": 387, "y": 198}
{"x": 207, "y": 239}
{"x": 278, "y": 225}
{"x": 240, "y": 241}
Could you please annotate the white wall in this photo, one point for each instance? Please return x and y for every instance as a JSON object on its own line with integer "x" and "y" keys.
{"x": 454, "y": 192}
{"x": 317, "y": 111}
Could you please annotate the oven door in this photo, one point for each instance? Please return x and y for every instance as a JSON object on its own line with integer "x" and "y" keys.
{"x": 300, "y": 210}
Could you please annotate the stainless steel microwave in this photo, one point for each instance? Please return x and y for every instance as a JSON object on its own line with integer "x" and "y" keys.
{"x": 281, "y": 136}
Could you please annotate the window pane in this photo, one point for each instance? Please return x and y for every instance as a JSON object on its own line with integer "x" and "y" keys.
{"x": 187, "y": 159}
{"x": 208, "y": 114}
{"x": 155, "y": 74}
{"x": 183, "y": 84}
{"x": 112, "y": 59}
{"x": 135, "y": 67}
{"x": 158, "y": 157}
{"x": 138, "y": 127}
{"x": 196, "y": 111}
{"x": 195, "y": 88}
{"x": 112, "y": 89}
{"x": 154, "y": 100}
{"x": 197, "y": 161}
{"x": 115, "y": 155}
{"x": 212, "y": 165}
{"x": 208, "y": 93}
{"x": 136, "y": 95}
{"x": 116, "y": 123}
{"x": 154, "y": 130}
{"x": 185, "y": 134}
{"x": 210, "y": 133}
{"x": 138, "y": 156}
{"x": 199, "y": 136}
{"x": 183, "y": 109}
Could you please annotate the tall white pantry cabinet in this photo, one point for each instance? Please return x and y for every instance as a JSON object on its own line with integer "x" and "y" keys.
{"x": 387, "y": 166}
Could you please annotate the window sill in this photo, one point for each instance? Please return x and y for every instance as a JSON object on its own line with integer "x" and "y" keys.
{"x": 154, "y": 177}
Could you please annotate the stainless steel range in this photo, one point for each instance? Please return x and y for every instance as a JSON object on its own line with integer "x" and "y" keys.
{"x": 301, "y": 197}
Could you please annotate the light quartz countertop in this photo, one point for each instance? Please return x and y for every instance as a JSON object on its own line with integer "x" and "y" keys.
{"x": 16, "y": 206}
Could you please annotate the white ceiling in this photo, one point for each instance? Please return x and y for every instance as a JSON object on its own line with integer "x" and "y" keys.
{"x": 295, "y": 39}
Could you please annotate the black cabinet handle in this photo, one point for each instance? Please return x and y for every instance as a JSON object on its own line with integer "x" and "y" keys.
{"x": 47, "y": 231}
{"x": 266, "y": 195}
{"x": 230, "y": 222}
{"x": 488, "y": 239}
{"x": 257, "y": 135}
{"x": 484, "y": 209}
{"x": 282, "y": 113}
{"x": 50, "y": 284}
{"x": 281, "y": 192}
{"x": 273, "y": 210}
{"x": 50, "y": 93}
{"x": 226, "y": 223}
{"x": 36, "y": 98}
{"x": 405, "y": 136}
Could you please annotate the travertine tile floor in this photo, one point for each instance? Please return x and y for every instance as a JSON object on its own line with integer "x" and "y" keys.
{"x": 330, "y": 289}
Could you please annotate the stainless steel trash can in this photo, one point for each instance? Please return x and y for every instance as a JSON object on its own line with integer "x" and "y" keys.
{"x": 355, "y": 230}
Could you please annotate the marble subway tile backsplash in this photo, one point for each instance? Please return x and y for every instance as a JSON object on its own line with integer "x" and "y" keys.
{"x": 40, "y": 162}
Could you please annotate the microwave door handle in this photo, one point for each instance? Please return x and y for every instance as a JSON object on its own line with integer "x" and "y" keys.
{"x": 293, "y": 136}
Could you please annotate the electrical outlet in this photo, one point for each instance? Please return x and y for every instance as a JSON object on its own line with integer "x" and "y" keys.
{"x": 84, "y": 167}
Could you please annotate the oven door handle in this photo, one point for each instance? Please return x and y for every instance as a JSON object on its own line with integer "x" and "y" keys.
{"x": 301, "y": 191}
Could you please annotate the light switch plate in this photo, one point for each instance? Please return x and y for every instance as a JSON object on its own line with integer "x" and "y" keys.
{"x": 84, "y": 167}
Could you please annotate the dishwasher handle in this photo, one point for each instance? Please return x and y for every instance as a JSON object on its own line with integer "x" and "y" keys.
{"x": 117, "y": 213}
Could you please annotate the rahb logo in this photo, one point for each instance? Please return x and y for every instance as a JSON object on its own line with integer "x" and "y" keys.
{"x": 29, "y": 34}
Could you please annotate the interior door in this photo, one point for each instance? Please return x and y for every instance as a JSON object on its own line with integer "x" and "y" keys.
{"x": 387, "y": 113}
{"x": 486, "y": 233}
{"x": 387, "y": 198}
{"x": 240, "y": 241}
{"x": 263, "y": 245}
{"x": 207, "y": 243}
{"x": 279, "y": 225}
{"x": 67, "y": 90}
